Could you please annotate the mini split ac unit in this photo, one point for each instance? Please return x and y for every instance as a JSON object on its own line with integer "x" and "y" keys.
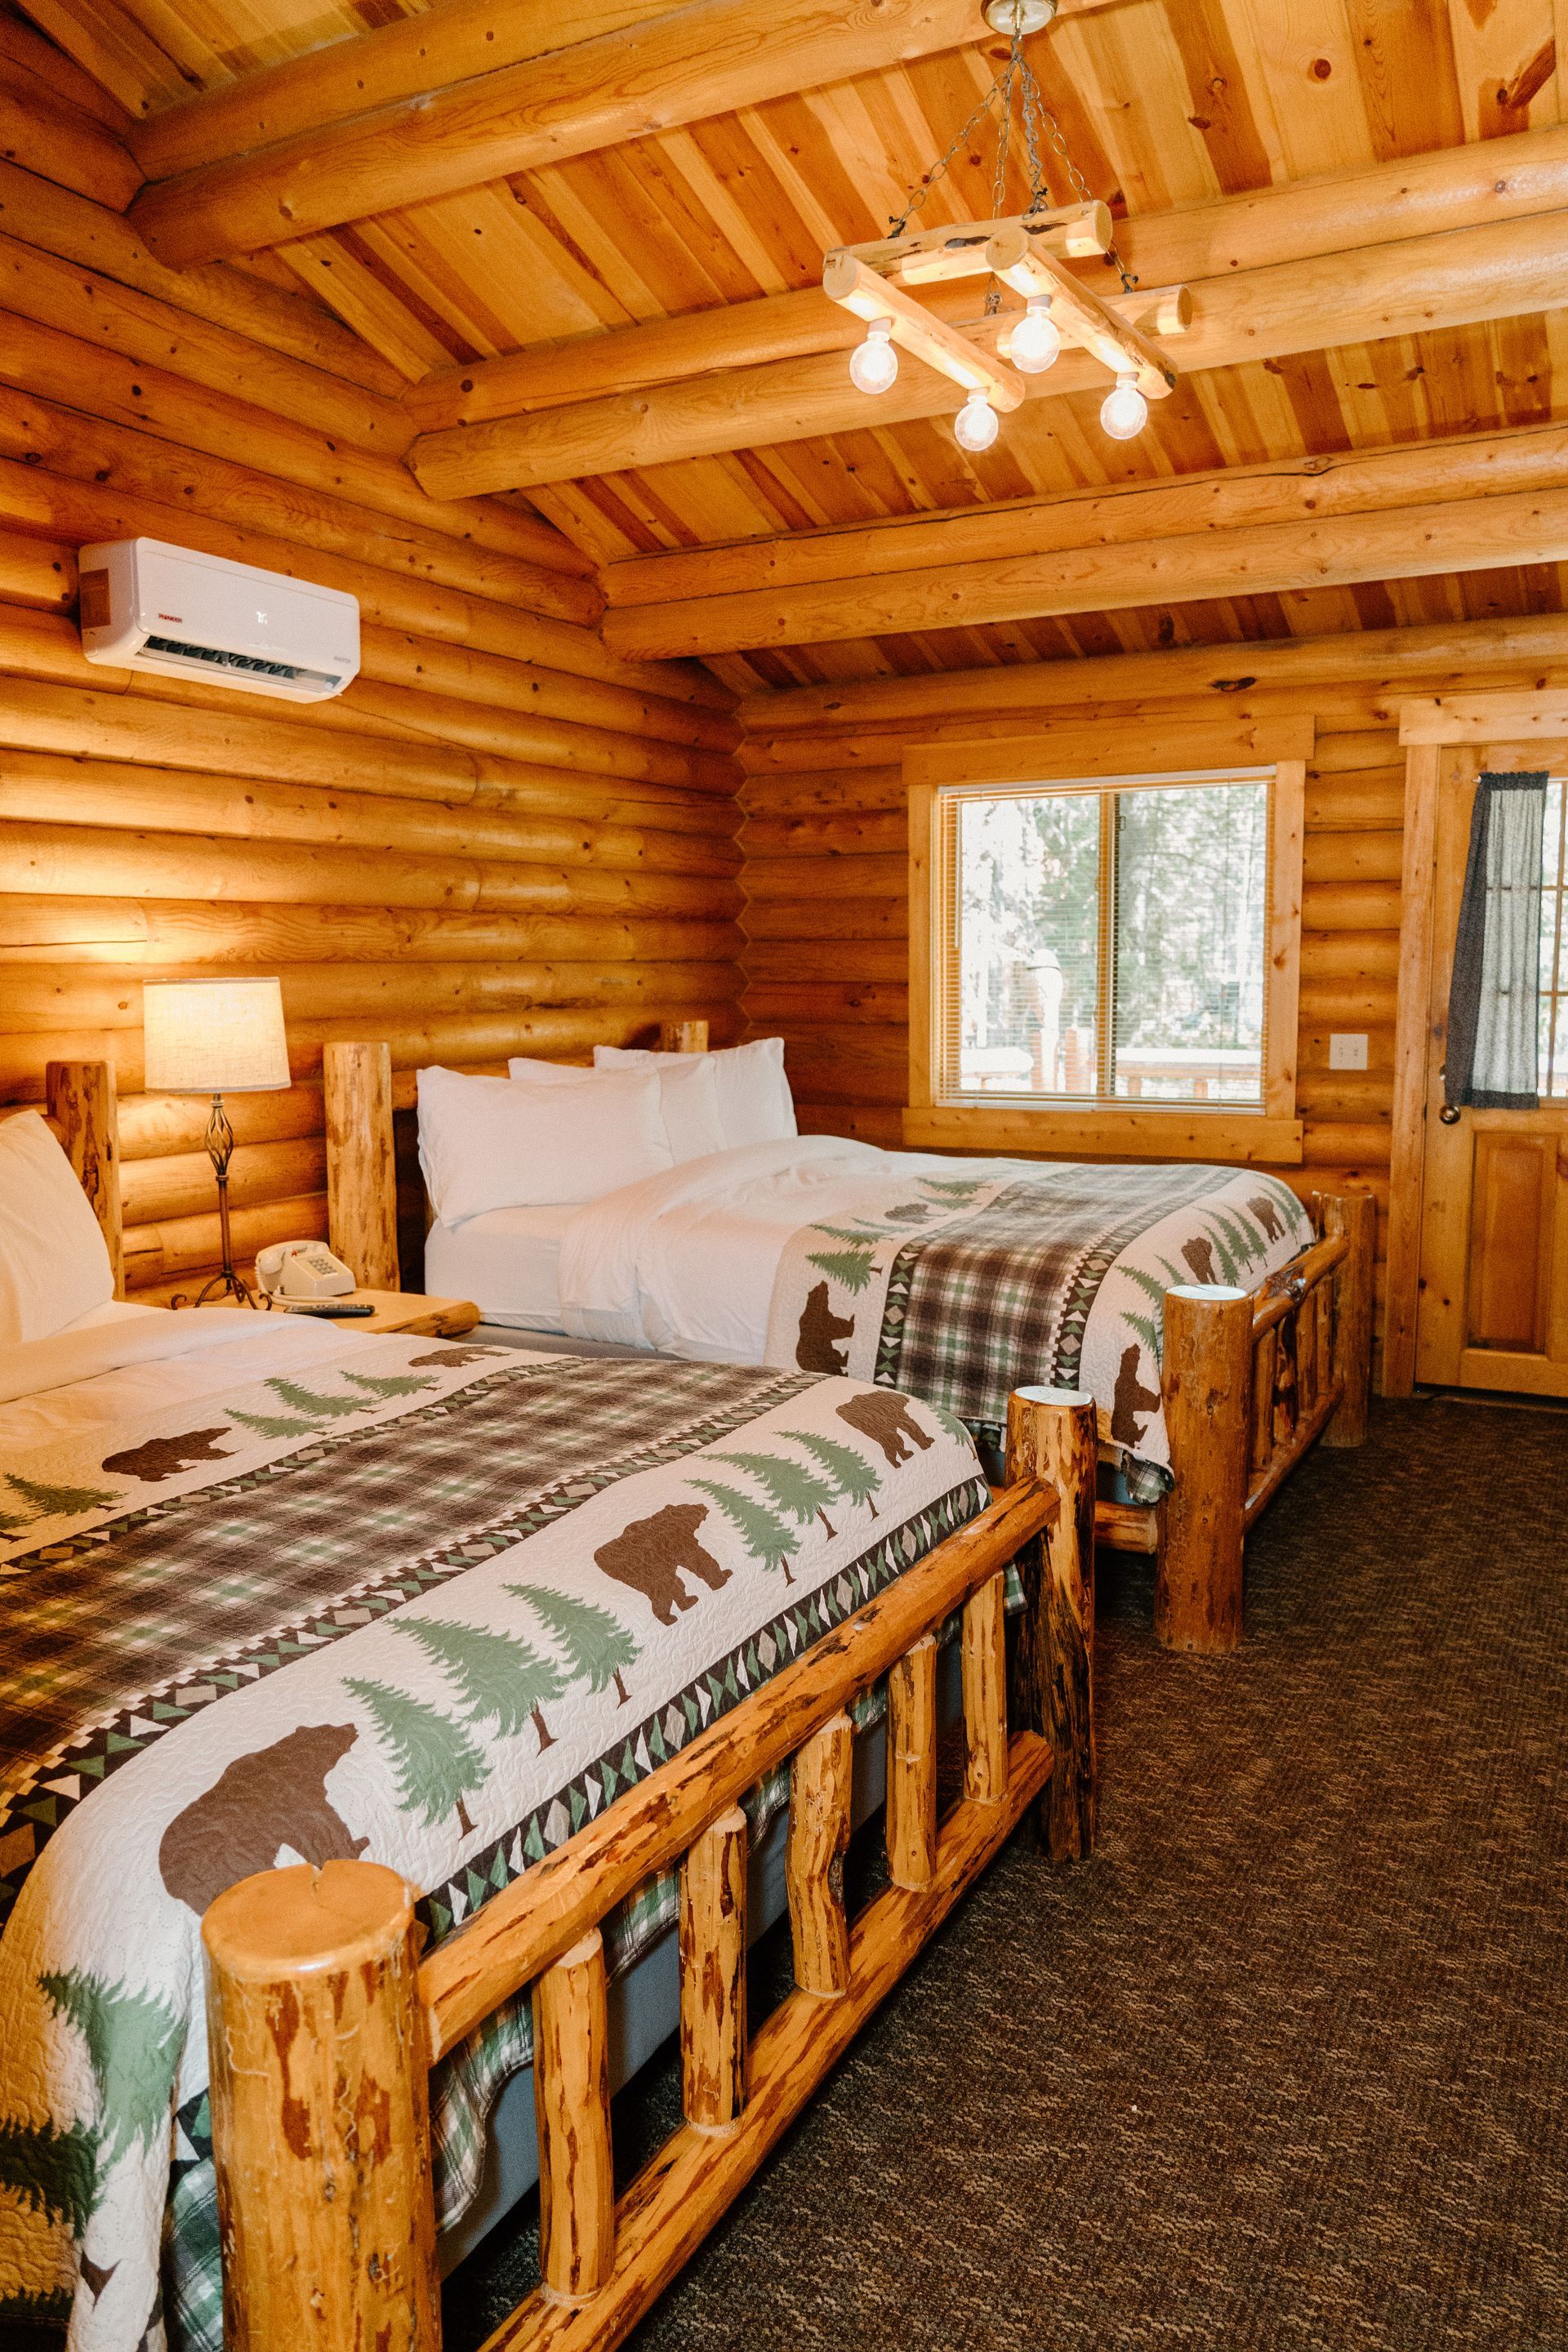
{"x": 147, "y": 605}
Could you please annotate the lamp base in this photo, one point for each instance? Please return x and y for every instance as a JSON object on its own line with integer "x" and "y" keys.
{"x": 225, "y": 1284}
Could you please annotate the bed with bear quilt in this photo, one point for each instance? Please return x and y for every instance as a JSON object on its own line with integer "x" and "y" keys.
{"x": 954, "y": 1279}
{"x": 271, "y": 1591}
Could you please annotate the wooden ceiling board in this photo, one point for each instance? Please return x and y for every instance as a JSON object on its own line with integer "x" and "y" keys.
{"x": 1161, "y": 102}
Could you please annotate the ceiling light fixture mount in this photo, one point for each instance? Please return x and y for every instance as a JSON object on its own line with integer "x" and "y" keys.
{"x": 1027, "y": 252}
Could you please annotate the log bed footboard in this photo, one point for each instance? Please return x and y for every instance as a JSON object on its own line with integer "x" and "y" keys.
{"x": 1251, "y": 1379}
{"x": 323, "y": 2022}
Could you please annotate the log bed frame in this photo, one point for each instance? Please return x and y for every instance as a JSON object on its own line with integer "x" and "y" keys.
{"x": 1251, "y": 1379}
{"x": 323, "y": 2021}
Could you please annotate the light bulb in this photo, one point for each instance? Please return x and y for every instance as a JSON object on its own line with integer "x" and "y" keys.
{"x": 874, "y": 363}
{"x": 1036, "y": 341}
{"x": 976, "y": 425}
{"x": 1124, "y": 411}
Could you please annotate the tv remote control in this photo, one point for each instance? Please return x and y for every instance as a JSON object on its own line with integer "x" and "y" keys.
{"x": 324, "y": 1307}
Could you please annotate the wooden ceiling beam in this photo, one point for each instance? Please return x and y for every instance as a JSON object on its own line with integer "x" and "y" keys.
{"x": 1506, "y": 269}
{"x": 662, "y": 350}
{"x": 1392, "y": 514}
{"x": 708, "y": 57}
{"x": 453, "y": 41}
{"x": 1284, "y": 490}
{"x": 1445, "y": 652}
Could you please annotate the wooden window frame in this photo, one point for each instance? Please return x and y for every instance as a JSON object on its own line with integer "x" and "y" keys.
{"x": 1269, "y": 1135}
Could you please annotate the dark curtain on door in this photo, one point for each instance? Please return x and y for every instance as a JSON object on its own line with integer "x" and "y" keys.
{"x": 1493, "y": 1041}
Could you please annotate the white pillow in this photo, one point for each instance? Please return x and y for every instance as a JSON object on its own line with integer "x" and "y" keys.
{"x": 755, "y": 1104}
{"x": 54, "y": 1260}
{"x": 512, "y": 1144}
{"x": 688, "y": 1093}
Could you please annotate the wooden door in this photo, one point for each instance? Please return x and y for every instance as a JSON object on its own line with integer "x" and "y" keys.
{"x": 1493, "y": 1309}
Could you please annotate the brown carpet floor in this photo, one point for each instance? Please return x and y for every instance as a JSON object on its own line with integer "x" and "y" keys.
{"x": 1284, "y": 2068}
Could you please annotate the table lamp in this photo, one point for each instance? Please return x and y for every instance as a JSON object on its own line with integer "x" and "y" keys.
{"x": 217, "y": 1038}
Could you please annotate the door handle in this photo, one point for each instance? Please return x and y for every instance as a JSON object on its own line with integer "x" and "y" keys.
{"x": 1449, "y": 1115}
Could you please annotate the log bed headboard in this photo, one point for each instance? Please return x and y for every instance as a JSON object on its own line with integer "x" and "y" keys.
{"x": 82, "y": 1109}
{"x": 361, "y": 1169}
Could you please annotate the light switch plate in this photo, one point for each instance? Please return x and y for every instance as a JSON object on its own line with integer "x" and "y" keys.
{"x": 1347, "y": 1051}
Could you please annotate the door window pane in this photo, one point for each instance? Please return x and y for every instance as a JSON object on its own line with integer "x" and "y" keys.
{"x": 1553, "y": 945}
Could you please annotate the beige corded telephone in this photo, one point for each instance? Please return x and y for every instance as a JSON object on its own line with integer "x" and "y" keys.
{"x": 302, "y": 1270}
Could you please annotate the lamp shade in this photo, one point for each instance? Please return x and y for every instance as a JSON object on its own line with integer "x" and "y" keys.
{"x": 213, "y": 1037}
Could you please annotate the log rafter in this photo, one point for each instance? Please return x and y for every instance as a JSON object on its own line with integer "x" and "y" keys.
{"x": 1308, "y": 522}
{"x": 705, "y": 58}
{"x": 1491, "y": 269}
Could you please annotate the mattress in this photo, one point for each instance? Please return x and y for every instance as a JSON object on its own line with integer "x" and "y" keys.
{"x": 506, "y": 1261}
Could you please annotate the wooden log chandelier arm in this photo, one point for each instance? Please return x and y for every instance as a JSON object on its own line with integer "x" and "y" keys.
{"x": 846, "y": 280}
{"x": 1079, "y": 315}
{"x": 926, "y": 256}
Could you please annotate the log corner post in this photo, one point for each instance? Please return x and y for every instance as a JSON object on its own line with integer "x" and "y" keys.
{"x": 361, "y": 1171}
{"x": 1354, "y": 1214}
{"x": 320, "y": 2111}
{"x": 83, "y": 1110}
{"x": 1053, "y": 1435}
{"x": 1206, "y": 1381}
{"x": 683, "y": 1036}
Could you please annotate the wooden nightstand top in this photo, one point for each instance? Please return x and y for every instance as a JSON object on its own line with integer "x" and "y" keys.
{"x": 411, "y": 1310}
{"x": 396, "y": 1310}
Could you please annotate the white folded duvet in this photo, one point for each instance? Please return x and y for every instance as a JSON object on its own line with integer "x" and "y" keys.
{"x": 685, "y": 1260}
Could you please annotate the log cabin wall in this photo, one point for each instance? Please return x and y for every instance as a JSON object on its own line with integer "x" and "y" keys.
{"x": 500, "y": 838}
{"x": 827, "y": 916}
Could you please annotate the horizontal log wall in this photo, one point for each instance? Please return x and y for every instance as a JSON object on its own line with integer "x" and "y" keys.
{"x": 827, "y": 916}
{"x": 501, "y": 838}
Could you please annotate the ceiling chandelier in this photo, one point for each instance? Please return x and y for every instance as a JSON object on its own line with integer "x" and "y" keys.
{"x": 1026, "y": 252}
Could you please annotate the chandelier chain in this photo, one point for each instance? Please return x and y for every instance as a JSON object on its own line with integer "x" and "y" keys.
{"x": 1036, "y": 115}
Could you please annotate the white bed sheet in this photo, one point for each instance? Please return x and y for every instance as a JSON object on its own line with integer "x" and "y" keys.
{"x": 507, "y": 1261}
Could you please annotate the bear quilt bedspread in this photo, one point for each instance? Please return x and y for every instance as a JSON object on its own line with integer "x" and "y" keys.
{"x": 987, "y": 1276}
{"x": 309, "y": 1594}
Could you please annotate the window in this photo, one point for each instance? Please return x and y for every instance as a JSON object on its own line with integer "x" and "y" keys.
{"x": 1106, "y": 945}
{"x": 1108, "y": 961}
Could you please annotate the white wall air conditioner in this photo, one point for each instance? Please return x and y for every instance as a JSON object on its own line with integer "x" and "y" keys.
{"x": 148, "y": 605}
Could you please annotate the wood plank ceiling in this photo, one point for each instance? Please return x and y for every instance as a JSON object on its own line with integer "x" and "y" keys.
{"x": 1163, "y": 104}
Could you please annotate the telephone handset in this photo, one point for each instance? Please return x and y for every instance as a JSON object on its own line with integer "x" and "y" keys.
{"x": 302, "y": 1271}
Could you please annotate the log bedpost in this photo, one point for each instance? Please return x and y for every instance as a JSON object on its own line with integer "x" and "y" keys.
{"x": 571, "y": 2111}
{"x": 713, "y": 1975}
{"x": 319, "y": 2111}
{"x": 814, "y": 1868}
{"x": 84, "y": 1112}
{"x": 1354, "y": 1214}
{"x": 1206, "y": 1378}
{"x": 1052, "y": 1436}
{"x": 683, "y": 1036}
{"x": 985, "y": 1673}
{"x": 362, "y": 1174}
{"x": 911, "y": 1767}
